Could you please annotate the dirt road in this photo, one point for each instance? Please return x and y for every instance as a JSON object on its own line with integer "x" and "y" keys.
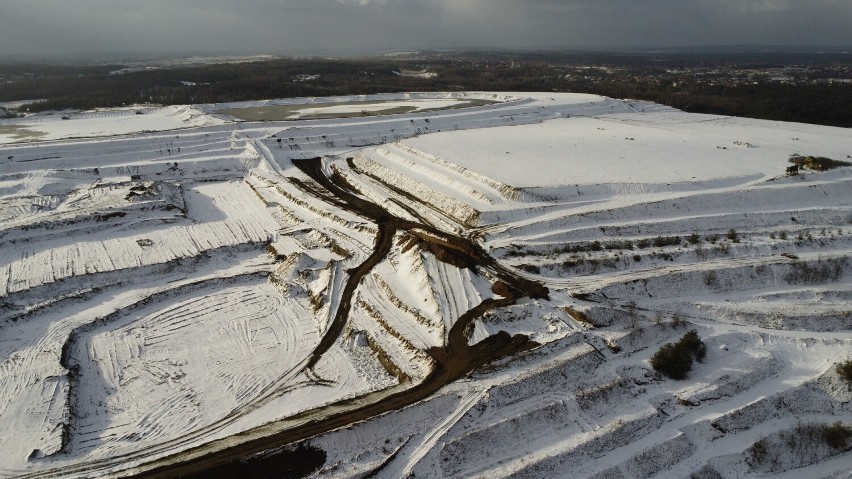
{"x": 453, "y": 361}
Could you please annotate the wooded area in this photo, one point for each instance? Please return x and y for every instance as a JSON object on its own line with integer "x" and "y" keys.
{"x": 683, "y": 84}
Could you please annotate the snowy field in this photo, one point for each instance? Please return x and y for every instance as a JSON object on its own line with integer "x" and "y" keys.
{"x": 664, "y": 147}
{"x": 345, "y": 109}
{"x": 85, "y": 124}
{"x": 469, "y": 285}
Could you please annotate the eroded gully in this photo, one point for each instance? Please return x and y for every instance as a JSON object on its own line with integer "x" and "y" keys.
{"x": 452, "y": 361}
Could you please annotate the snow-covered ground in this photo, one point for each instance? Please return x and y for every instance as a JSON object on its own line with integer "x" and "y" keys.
{"x": 98, "y": 123}
{"x": 633, "y": 148}
{"x": 415, "y": 105}
{"x": 174, "y": 284}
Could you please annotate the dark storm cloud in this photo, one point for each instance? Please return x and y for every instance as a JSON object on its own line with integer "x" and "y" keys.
{"x": 63, "y": 27}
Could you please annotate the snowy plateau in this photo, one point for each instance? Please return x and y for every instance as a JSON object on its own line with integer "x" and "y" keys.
{"x": 430, "y": 285}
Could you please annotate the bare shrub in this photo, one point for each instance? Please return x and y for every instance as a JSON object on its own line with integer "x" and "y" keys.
{"x": 661, "y": 241}
{"x": 733, "y": 236}
{"x": 807, "y": 443}
{"x": 757, "y": 452}
{"x": 821, "y": 271}
{"x": 530, "y": 268}
{"x": 693, "y": 238}
{"x": 844, "y": 369}
{"x": 837, "y": 435}
{"x": 818, "y": 163}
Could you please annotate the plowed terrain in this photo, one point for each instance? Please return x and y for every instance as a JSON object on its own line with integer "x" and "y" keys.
{"x": 454, "y": 285}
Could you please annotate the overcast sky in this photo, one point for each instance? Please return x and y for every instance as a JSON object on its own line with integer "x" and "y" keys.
{"x": 74, "y": 27}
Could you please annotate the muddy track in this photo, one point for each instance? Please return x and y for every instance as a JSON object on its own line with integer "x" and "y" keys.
{"x": 438, "y": 239}
{"x": 452, "y": 361}
{"x": 384, "y": 241}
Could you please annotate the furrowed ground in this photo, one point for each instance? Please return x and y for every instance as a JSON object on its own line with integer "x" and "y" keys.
{"x": 423, "y": 285}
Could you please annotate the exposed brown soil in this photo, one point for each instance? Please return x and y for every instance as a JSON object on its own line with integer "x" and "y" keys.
{"x": 452, "y": 361}
{"x": 384, "y": 241}
{"x": 300, "y": 461}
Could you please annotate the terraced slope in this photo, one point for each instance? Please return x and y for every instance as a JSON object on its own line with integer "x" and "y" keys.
{"x": 473, "y": 292}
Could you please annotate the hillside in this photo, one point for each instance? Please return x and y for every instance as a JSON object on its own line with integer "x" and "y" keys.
{"x": 422, "y": 285}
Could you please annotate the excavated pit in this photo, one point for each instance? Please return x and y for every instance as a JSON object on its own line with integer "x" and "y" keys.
{"x": 453, "y": 361}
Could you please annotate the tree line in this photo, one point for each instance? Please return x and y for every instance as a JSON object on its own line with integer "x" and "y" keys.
{"x": 93, "y": 87}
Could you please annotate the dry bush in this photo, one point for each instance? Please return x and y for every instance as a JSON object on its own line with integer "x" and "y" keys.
{"x": 818, "y": 163}
{"x": 844, "y": 369}
{"x": 837, "y": 435}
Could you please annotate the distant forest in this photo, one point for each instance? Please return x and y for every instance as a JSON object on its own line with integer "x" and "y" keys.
{"x": 715, "y": 84}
